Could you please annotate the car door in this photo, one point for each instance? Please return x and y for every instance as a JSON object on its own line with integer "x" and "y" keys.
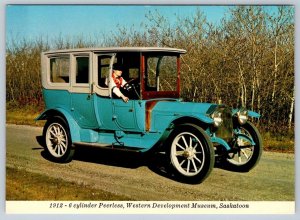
{"x": 82, "y": 100}
{"x": 112, "y": 113}
{"x": 124, "y": 114}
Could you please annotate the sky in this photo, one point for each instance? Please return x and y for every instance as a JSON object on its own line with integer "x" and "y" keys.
{"x": 31, "y": 21}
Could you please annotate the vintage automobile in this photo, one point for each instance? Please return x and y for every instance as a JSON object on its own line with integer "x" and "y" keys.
{"x": 81, "y": 110}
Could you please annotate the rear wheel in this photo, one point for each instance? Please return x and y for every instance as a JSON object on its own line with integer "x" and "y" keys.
{"x": 57, "y": 139}
{"x": 191, "y": 153}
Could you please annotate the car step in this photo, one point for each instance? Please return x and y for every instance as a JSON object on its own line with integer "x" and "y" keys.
{"x": 108, "y": 146}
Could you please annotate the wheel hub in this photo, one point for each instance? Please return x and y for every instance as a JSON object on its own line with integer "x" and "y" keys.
{"x": 58, "y": 140}
{"x": 189, "y": 153}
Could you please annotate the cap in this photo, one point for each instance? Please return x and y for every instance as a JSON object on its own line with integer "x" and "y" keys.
{"x": 117, "y": 66}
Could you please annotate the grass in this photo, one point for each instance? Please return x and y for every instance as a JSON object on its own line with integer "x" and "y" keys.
{"x": 279, "y": 143}
{"x": 23, "y": 185}
{"x": 24, "y": 116}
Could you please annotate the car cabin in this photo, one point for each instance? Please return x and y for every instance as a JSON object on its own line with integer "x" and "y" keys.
{"x": 156, "y": 70}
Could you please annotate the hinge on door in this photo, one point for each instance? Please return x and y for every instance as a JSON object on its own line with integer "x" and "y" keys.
{"x": 91, "y": 91}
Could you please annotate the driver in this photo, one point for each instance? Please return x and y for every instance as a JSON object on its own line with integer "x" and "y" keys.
{"x": 117, "y": 82}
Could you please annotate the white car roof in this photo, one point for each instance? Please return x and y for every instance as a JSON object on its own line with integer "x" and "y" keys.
{"x": 119, "y": 49}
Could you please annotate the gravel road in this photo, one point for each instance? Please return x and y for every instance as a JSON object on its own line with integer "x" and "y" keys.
{"x": 138, "y": 177}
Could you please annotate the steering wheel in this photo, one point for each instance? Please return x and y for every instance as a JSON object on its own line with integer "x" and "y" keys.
{"x": 132, "y": 87}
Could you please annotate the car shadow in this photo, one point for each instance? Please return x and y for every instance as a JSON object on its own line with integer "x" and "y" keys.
{"x": 222, "y": 164}
{"x": 157, "y": 162}
{"x": 109, "y": 157}
{"x": 154, "y": 161}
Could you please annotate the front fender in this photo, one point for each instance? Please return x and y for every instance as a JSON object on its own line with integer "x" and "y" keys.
{"x": 246, "y": 138}
{"x": 195, "y": 119}
{"x": 250, "y": 113}
{"x": 73, "y": 126}
{"x": 253, "y": 114}
{"x": 163, "y": 122}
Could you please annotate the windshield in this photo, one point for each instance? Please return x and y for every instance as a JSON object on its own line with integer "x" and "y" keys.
{"x": 161, "y": 73}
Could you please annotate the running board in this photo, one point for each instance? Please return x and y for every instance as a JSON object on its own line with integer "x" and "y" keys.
{"x": 109, "y": 146}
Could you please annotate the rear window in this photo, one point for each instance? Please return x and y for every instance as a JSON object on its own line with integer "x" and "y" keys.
{"x": 60, "y": 69}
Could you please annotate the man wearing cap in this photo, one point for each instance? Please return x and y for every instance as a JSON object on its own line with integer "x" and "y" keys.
{"x": 117, "y": 82}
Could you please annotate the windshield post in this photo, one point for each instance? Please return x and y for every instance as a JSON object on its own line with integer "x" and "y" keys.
{"x": 178, "y": 73}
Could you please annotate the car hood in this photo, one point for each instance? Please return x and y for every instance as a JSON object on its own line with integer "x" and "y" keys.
{"x": 179, "y": 108}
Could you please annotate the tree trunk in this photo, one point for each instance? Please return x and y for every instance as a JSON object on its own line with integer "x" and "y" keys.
{"x": 275, "y": 70}
{"x": 291, "y": 110}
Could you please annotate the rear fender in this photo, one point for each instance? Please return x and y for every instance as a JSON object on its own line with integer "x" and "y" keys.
{"x": 73, "y": 126}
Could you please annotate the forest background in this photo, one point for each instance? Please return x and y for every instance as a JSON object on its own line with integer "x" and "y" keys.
{"x": 245, "y": 60}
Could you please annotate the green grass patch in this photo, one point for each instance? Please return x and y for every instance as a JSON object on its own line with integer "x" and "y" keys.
{"x": 23, "y": 116}
{"x": 23, "y": 185}
{"x": 279, "y": 143}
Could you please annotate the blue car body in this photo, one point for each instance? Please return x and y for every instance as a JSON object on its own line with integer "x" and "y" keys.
{"x": 106, "y": 121}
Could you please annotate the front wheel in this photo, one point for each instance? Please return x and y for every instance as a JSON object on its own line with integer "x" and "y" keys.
{"x": 57, "y": 139}
{"x": 245, "y": 155}
{"x": 191, "y": 153}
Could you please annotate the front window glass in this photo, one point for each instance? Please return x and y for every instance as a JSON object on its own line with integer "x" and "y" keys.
{"x": 161, "y": 73}
{"x": 60, "y": 69}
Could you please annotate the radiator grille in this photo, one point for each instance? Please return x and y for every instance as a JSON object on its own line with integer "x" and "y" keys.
{"x": 225, "y": 131}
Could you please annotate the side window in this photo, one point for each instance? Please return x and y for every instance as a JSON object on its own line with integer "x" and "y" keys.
{"x": 168, "y": 73}
{"x": 103, "y": 70}
{"x": 151, "y": 73}
{"x": 82, "y": 70}
{"x": 60, "y": 69}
